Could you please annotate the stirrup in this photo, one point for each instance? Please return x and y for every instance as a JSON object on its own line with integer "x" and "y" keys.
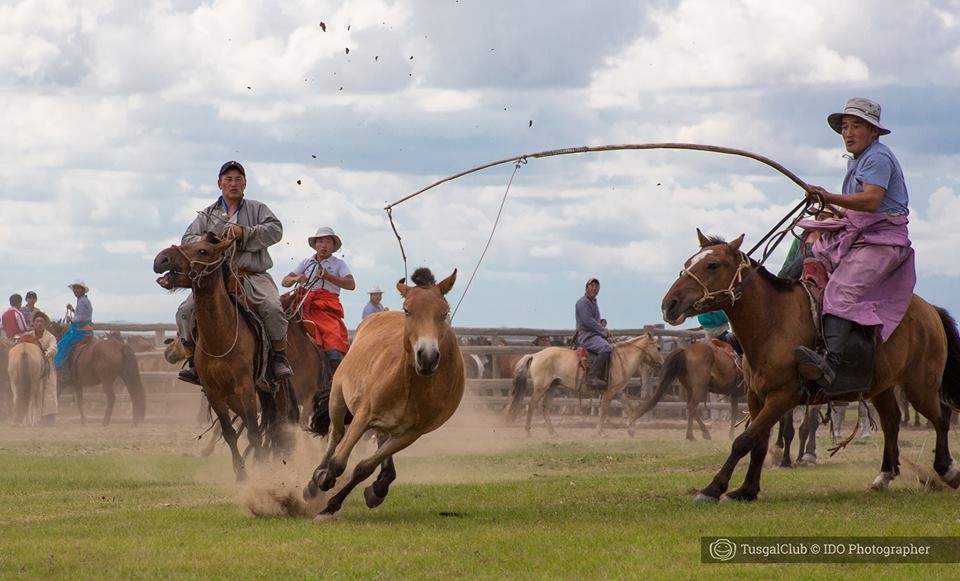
{"x": 189, "y": 374}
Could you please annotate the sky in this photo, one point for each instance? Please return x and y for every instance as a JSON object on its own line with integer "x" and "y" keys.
{"x": 117, "y": 116}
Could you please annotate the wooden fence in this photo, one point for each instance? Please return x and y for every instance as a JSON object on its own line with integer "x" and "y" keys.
{"x": 169, "y": 397}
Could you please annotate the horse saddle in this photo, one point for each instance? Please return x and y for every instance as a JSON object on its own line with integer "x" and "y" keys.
{"x": 735, "y": 358}
{"x": 292, "y": 306}
{"x": 584, "y": 358}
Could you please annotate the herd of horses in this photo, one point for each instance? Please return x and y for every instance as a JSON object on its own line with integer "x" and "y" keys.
{"x": 404, "y": 375}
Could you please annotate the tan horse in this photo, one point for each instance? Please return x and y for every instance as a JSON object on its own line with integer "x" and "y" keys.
{"x": 26, "y": 370}
{"x": 559, "y": 366}
{"x": 702, "y": 369}
{"x": 403, "y": 377}
{"x": 102, "y": 363}
{"x": 6, "y": 394}
{"x": 771, "y": 316}
{"x": 226, "y": 348}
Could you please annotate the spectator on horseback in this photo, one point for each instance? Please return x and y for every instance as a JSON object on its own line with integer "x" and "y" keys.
{"x": 81, "y": 326}
{"x": 48, "y": 344}
{"x": 374, "y": 305}
{"x": 323, "y": 276}
{"x": 255, "y": 228}
{"x": 14, "y": 323}
{"x": 866, "y": 251}
{"x": 30, "y": 306}
{"x": 592, "y": 336}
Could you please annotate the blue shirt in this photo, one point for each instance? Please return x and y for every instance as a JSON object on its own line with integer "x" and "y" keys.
{"x": 83, "y": 313}
{"x": 713, "y": 319}
{"x": 372, "y": 308}
{"x": 878, "y": 166}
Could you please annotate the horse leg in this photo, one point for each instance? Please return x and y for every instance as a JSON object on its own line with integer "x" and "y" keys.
{"x": 326, "y": 476}
{"x": 753, "y": 440}
{"x": 111, "y": 400}
{"x": 808, "y": 428}
{"x": 547, "y": 401}
{"x": 376, "y": 493}
{"x": 888, "y": 409}
{"x": 532, "y": 405}
{"x": 337, "y": 412}
{"x": 939, "y": 415}
{"x": 78, "y": 390}
{"x": 365, "y": 468}
{"x": 604, "y": 410}
{"x": 734, "y": 405}
{"x": 789, "y": 431}
{"x": 230, "y": 436}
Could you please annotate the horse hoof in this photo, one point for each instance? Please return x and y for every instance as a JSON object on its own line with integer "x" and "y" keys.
{"x": 707, "y": 437}
{"x": 737, "y": 496}
{"x": 631, "y": 432}
{"x": 369, "y": 495}
{"x": 241, "y": 475}
{"x": 322, "y": 479}
{"x": 702, "y": 498}
{"x": 809, "y": 459}
{"x": 325, "y": 517}
{"x": 310, "y": 491}
{"x": 952, "y": 476}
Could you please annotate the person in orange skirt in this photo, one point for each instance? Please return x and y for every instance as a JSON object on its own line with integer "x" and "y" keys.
{"x": 323, "y": 276}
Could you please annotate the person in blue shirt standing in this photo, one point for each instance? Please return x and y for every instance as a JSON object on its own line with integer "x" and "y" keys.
{"x": 592, "y": 336}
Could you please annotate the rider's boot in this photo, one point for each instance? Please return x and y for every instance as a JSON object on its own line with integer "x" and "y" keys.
{"x": 189, "y": 371}
{"x": 279, "y": 365}
{"x": 597, "y": 374}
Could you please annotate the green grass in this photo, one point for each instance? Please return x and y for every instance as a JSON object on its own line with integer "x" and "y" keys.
{"x": 124, "y": 503}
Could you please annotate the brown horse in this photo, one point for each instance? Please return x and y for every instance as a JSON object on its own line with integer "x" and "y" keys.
{"x": 26, "y": 369}
{"x": 702, "y": 369}
{"x": 771, "y": 316}
{"x": 102, "y": 362}
{"x": 403, "y": 377}
{"x": 226, "y": 347}
{"x": 561, "y": 366}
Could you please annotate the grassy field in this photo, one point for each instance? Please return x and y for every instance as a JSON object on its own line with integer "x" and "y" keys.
{"x": 475, "y": 500}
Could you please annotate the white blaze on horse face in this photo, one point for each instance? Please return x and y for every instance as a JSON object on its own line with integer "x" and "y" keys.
{"x": 698, "y": 257}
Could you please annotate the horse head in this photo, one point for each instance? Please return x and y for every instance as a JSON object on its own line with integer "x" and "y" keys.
{"x": 652, "y": 352}
{"x": 182, "y": 265}
{"x": 427, "y": 317}
{"x": 710, "y": 280}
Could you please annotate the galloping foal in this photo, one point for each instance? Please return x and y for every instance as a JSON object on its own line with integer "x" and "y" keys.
{"x": 403, "y": 377}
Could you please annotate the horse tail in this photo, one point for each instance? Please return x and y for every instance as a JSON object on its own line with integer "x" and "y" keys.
{"x": 521, "y": 371}
{"x": 950, "y": 386}
{"x": 320, "y": 416}
{"x": 674, "y": 366}
{"x": 130, "y": 374}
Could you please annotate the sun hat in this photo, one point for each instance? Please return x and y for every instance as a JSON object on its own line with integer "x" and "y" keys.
{"x": 375, "y": 291}
{"x": 79, "y": 283}
{"x": 229, "y": 166}
{"x": 323, "y": 231}
{"x": 858, "y": 107}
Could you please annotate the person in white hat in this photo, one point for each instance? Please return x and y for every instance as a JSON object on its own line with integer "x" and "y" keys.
{"x": 81, "y": 325}
{"x": 592, "y": 335}
{"x": 323, "y": 276}
{"x": 866, "y": 251}
{"x": 374, "y": 305}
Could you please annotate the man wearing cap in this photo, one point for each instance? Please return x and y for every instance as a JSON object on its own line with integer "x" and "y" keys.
{"x": 14, "y": 323}
{"x": 255, "y": 228}
{"x": 323, "y": 276}
{"x": 592, "y": 336}
{"x": 867, "y": 252}
{"x": 81, "y": 325}
{"x": 374, "y": 306}
{"x": 29, "y": 305}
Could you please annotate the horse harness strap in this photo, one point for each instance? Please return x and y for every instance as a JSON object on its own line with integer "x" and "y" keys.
{"x": 732, "y": 291}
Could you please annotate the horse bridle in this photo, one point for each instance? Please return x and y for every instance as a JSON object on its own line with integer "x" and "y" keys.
{"x": 732, "y": 291}
{"x": 208, "y": 267}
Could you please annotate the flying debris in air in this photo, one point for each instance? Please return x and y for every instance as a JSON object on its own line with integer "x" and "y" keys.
{"x": 323, "y": 27}
{"x": 348, "y": 28}
{"x": 530, "y": 124}
{"x": 313, "y": 155}
{"x": 298, "y": 183}
{"x": 347, "y": 50}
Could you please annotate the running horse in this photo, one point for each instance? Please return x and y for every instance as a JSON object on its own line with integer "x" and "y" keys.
{"x": 403, "y": 377}
{"x": 771, "y": 316}
{"x": 560, "y": 365}
{"x": 702, "y": 369}
{"x": 101, "y": 362}
{"x": 226, "y": 348}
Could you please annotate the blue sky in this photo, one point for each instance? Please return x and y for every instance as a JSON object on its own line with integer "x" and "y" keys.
{"x": 117, "y": 116}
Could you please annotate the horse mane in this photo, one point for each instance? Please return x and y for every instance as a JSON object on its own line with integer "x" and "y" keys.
{"x": 779, "y": 284}
{"x": 423, "y": 278}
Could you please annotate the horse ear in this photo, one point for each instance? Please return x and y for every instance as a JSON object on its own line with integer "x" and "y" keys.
{"x": 402, "y": 288}
{"x": 447, "y": 283}
{"x": 703, "y": 239}
{"x": 736, "y": 243}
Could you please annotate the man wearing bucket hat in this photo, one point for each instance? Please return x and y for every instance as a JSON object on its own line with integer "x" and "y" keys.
{"x": 255, "y": 228}
{"x": 866, "y": 251}
{"x": 81, "y": 325}
{"x": 374, "y": 306}
{"x": 592, "y": 336}
{"x": 323, "y": 276}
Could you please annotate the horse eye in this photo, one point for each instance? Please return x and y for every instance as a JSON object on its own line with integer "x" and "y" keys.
{"x": 713, "y": 266}
{"x": 202, "y": 251}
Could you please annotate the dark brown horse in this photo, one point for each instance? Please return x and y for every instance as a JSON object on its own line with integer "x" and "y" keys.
{"x": 771, "y": 316}
{"x": 403, "y": 377}
{"x": 702, "y": 369}
{"x": 101, "y": 362}
{"x": 226, "y": 347}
